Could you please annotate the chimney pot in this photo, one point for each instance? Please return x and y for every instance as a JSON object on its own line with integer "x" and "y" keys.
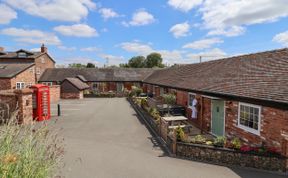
{"x": 1, "y": 49}
{"x": 44, "y": 49}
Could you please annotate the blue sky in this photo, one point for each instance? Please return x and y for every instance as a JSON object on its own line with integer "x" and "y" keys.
{"x": 181, "y": 30}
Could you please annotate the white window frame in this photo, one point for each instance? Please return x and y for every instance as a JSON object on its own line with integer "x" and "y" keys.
{"x": 22, "y": 55}
{"x": 248, "y": 129}
{"x": 21, "y": 85}
{"x": 188, "y": 102}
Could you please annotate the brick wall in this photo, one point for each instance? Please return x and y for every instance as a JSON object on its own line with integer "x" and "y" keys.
{"x": 112, "y": 86}
{"x": 21, "y": 99}
{"x": 78, "y": 95}
{"x": 27, "y": 76}
{"x": 54, "y": 93}
{"x": 25, "y": 114}
{"x": 41, "y": 63}
{"x": 145, "y": 88}
{"x": 5, "y": 84}
{"x": 128, "y": 85}
{"x": 273, "y": 123}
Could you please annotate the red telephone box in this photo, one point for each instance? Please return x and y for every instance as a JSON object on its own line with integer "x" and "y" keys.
{"x": 41, "y": 102}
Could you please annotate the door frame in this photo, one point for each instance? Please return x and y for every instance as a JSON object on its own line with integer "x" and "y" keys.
{"x": 224, "y": 123}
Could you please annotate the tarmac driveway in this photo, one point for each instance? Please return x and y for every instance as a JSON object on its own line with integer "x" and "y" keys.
{"x": 104, "y": 138}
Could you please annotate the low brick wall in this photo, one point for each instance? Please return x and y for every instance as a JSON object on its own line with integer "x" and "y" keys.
{"x": 229, "y": 157}
{"x": 71, "y": 95}
{"x": 11, "y": 100}
{"x": 54, "y": 93}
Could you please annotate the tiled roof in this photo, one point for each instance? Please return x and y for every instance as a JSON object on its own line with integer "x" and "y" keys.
{"x": 31, "y": 55}
{"x": 261, "y": 76}
{"x": 77, "y": 83}
{"x": 9, "y": 70}
{"x": 96, "y": 75}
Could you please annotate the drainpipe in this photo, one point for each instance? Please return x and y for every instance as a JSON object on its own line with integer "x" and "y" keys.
{"x": 201, "y": 127}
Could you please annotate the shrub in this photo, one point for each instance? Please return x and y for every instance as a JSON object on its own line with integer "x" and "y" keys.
{"x": 135, "y": 91}
{"x": 236, "y": 143}
{"x": 29, "y": 151}
{"x": 198, "y": 139}
{"x": 143, "y": 102}
{"x": 180, "y": 135}
{"x": 219, "y": 142}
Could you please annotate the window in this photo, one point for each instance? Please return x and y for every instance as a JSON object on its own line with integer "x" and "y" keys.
{"x": 249, "y": 118}
{"x": 42, "y": 60}
{"x": 20, "y": 85}
{"x": 47, "y": 83}
{"x": 22, "y": 55}
{"x": 191, "y": 97}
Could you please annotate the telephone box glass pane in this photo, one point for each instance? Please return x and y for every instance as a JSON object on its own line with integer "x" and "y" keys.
{"x": 45, "y": 103}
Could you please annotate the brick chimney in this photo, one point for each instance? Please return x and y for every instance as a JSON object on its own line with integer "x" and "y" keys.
{"x": 44, "y": 49}
{"x": 1, "y": 49}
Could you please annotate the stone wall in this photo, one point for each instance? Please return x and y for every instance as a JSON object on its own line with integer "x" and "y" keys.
{"x": 229, "y": 157}
{"x": 54, "y": 93}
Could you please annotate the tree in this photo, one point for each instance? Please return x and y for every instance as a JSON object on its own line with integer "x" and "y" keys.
{"x": 137, "y": 62}
{"x": 90, "y": 65}
{"x": 169, "y": 99}
{"x": 76, "y": 65}
{"x": 154, "y": 60}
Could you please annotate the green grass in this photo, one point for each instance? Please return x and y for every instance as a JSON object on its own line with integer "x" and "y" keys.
{"x": 29, "y": 151}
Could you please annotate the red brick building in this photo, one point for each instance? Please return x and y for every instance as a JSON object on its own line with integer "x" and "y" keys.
{"x": 41, "y": 60}
{"x": 99, "y": 80}
{"x": 16, "y": 75}
{"x": 244, "y": 96}
{"x": 73, "y": 88}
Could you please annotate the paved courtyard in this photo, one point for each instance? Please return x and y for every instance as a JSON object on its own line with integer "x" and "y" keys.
{"x": 104, "y": 138}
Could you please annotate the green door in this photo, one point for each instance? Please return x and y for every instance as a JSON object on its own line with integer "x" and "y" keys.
{"x": 218, "y": 117}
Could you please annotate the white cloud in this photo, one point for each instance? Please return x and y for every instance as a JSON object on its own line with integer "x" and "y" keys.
{"x": 108, "y": 13}
{"x": 140, "y": 18}
{"x": 203, "y": 44}
{"x": 282, "y": 38}
{"x": 184, "y": 5}
{"x": 78, "y": 30}
{"x": 90, "y": 49}
{"x": 65, "y": 48}
{"x": 137, "y": 47}
{"x": 180, "y": 30}
{"x": 6, "y": 14}
{"x": 172, "y": 56}
{"x": 59, "y": 10}
{"x": 229, "y": 17}
{"x": 32, "y": 36}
